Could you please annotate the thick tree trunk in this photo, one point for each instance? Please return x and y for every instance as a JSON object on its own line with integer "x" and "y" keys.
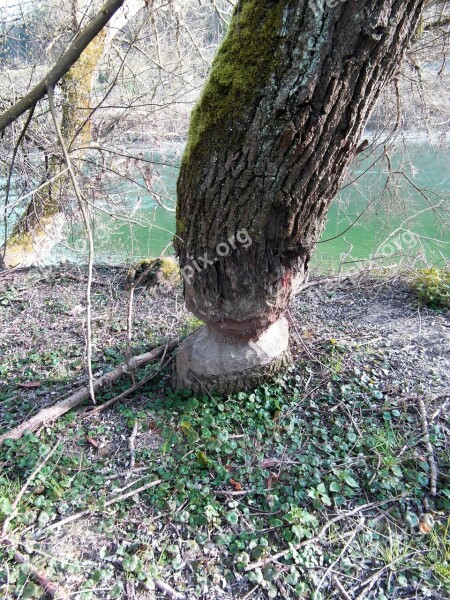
{"x": 279, "y": 120}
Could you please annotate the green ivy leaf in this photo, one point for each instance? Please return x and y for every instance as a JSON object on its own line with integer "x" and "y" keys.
{"x": 334, "y": 486}
{"x": 232, "y": 517}
{"x": 349, "y": 480}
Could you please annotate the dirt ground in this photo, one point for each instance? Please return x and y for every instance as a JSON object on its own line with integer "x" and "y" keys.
{"x": 41, "y": 312}
{"x": 42, "y": 338}
{"x": 384, "y": 314}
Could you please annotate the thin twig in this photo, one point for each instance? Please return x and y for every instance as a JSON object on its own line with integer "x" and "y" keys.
{"x": 24, "y": 488}
{"x": 87, "y": 226}
{"x": 132, "y": 448}
{"x": 130, "y": 332}
{"x": 370, "y": 582}
{"x": 232, "y": 492}
{"x": 341, "y": 588}
{"x": 328, "y": 524}
{"x": 98, "y": 409}
{"x": 133, "y": 286}
{"x": 429, "y": 446}
{"x": 39, "y": 576}
{"x": 341, "y": 554}
{"x": 169, "y": 591}
{"x": 108, "y": 503}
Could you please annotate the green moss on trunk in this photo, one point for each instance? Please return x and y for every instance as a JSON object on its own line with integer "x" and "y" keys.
{"x": 241, "y": 68}
{"x": 76, "y": 87}
{"x": 47, "y": 206}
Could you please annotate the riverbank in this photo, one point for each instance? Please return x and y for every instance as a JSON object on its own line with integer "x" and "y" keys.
{"x": 320, "y": 481}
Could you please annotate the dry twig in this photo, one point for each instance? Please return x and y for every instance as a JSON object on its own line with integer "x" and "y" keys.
{"x": 89, "y": 511}
{"x": 24, "y": 488}
{"x": 341, "y": 588}
{"x": 169, "y": 591}
{"x": 88, "y": 228}
{"x": 133, "y": 388}
{"x": 39, "y": 576}
{"x": 274, "y": 557}
{"x": 131, "y": 447}
{"x": 341, "y": 554}
{"x": 429, "y": 446}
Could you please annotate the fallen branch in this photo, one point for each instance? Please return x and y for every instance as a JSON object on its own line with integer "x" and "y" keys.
{"x": 50, "y": 414}
{"x": 429, "y": 446}
{"x": 98, "y": 409}
{"x": 39, "y": 576}
{"x": 169, "y": 591}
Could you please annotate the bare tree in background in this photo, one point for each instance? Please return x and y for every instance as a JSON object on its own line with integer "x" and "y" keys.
{"x": 125, "y": 112}
{"x": 132, "y": 86}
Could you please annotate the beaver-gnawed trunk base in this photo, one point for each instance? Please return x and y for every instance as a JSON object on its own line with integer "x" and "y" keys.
{"x": 208, "y": 362}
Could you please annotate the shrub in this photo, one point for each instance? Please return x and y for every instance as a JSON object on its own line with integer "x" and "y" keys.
{"x": 432, "y": 287}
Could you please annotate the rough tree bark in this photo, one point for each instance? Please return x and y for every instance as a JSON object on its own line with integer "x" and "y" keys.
{"x": 279, "y": 120}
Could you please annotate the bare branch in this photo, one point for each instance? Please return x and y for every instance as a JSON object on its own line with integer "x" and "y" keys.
{"x": 90, "y": 237}
{"x": 64, "y": 63}
{"x": 437, "y": 24}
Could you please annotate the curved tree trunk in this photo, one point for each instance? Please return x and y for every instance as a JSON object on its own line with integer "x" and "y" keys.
{"x": 278, "y": 122}
{"x": 42, "y": 222}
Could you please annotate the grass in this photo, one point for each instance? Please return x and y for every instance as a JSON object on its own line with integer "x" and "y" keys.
{"x": 432, "y": 286}
{"x": 243, "y": 478}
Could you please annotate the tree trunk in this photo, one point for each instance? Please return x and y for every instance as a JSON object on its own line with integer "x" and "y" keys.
{"x": 278, "y": 122}
{"x": 42, "y": 222}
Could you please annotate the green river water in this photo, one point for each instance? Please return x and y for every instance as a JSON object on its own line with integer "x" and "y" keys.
{"x": 398, "y": 225}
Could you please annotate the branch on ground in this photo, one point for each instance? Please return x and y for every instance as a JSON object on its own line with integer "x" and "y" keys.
{"x": 50, "y": 414}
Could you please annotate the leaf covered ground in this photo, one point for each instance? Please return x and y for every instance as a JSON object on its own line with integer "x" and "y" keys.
{"x": 315, "y": 485}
